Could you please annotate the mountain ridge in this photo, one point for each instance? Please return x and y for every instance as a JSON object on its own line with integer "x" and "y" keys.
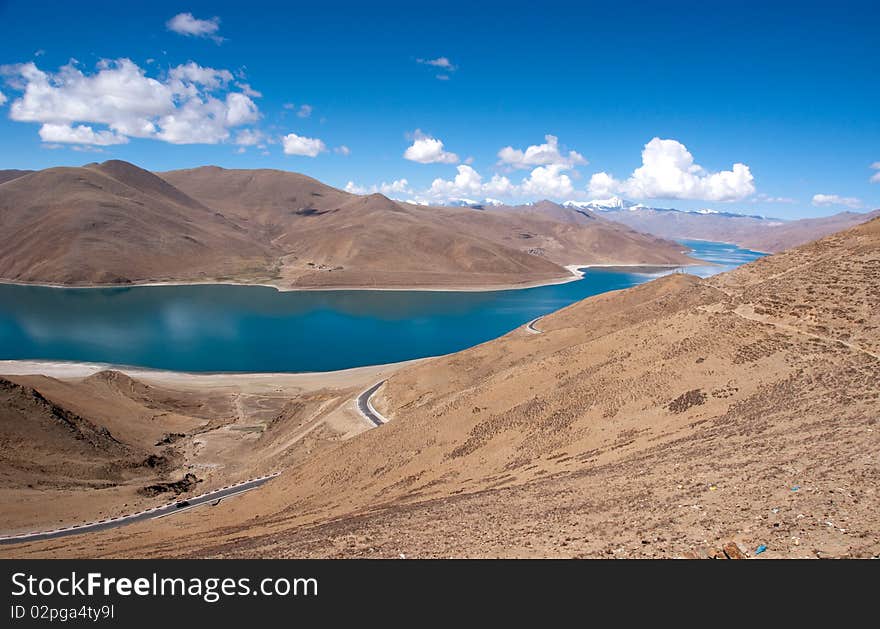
{"x": 115, "y": 223}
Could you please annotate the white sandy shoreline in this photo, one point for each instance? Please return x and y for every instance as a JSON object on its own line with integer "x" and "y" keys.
{"x": 574, "y": 269}
{"x": 75, "y": 370}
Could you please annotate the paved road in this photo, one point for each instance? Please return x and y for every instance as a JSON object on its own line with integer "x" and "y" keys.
{"x": 212, "y": 497}
{"x": 530, "y": 326}
{"x": 366, "y": 409}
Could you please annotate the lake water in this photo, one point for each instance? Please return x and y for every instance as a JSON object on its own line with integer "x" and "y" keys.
{"x": 215, "y": 328}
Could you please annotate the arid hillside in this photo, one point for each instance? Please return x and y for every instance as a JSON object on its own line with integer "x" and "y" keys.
{"x": 115, "y": 223}
{"x": 661, "y": 421}
{"x": 9, "y": 175}
{"x": 78, "y": 449}
{"x": 75, "y": 451}
{"x": 332, "y": 238}
{"x": 570, "y": 236}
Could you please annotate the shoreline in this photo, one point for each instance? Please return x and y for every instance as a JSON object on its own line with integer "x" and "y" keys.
{"x": 735, "y": 244}
{"x": 75, "y": 370}
{"x": 573, "y": 269}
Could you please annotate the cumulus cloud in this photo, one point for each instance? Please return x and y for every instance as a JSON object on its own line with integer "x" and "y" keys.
{"x": 81, "y": 134}
{"x": 195, "y": 74}
{"x": 298, "y": 145}
{"x": 342, "y": 150}
{"x": 825, "y": 200}
{"x": 540, "y": 155}
{"x": 547, "y": 181}
{"x": 469, "y": 183}
{"x": 192, "y": 104}
{"x": 875, "y": 178}
{"x": 428, "y": 150}
{"x": 190, "y": 26}
{"x": 668, "y": 171}
{"x": 249, "y": 137}
{"x": 393, "y": 189}
{"x": 542, "y": 182}
{"x": 602, "y": 185}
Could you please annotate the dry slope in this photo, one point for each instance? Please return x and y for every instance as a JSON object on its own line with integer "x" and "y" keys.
{"x": 327, "y": 237}
{"x": 653, "y": 422}
{"x": 116, "y": 223}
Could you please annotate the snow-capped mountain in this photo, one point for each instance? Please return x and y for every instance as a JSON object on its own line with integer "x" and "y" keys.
{"x": 613, "y": 203}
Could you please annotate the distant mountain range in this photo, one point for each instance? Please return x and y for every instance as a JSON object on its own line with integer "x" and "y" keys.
{"x": 753, "y": 232}
{"x": 116, "y": 223}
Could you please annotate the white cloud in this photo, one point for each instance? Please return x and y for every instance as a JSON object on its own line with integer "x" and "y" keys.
{"x": 766, "y": 198}
{"x": 2, "y": 98}
{"x": 342, "y": 150}
{"x": 81, "y": 134}
{"x": 668, "y": 171}
{"x": 393, "y": 189}
{"x": 186, "y": 24}
{"x": 249, "y": 91}
{"x": 602, "y": 185}
{"x": 548, "y": 181}
{"x": 428, "y": 150}
{"x": 304, "y": 111}
{"x": 197, "y": 75}
{"x": 820, "y": 200}
{"x": 540, "y": 155}
{"x": 192, "y": 104}
{"x": 469, "y": 183}
{"x": 439, "y": 62}
{"x": 298, "y": 145}
{"x": 249, "y": 137}
{"x": 875, "y": 178}
{"x": 542, "y": 182}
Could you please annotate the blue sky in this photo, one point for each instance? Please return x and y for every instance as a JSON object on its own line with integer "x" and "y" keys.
{"x": 788, "y": 92}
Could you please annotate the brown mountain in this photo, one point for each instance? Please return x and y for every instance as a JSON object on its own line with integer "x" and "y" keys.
{"x": 664, "y": 420}
{"x": 116, "y": 223}
{"x": 331, "y": 238}
{"x": 577, "y": 236}
{"x": 9, "y": 175}
{"x": 791, "y": 233}
{"x": 752, "y": 232}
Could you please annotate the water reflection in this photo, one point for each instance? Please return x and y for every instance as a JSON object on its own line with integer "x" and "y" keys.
{"x": 254, "y": 328}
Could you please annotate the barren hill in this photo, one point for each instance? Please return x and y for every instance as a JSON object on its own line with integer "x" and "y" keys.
{"x": 332, "y": 238}
{"x": 659, "y": 421}
{"x": 115, "y": 223}
{"x": 572, "y": 235}
{"x": 9, "y": 175}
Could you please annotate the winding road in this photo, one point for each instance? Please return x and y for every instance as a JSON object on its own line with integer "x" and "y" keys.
{"x": 366, "y": 408}
{"x": 212, "y": 497}
{"x": 530, "y": 326}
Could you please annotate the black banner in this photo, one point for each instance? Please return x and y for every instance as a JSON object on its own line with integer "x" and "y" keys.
{"x": 130, "y": 593}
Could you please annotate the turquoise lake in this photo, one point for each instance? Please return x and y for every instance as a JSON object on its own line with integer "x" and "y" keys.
{"x": 217, "y": 328}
